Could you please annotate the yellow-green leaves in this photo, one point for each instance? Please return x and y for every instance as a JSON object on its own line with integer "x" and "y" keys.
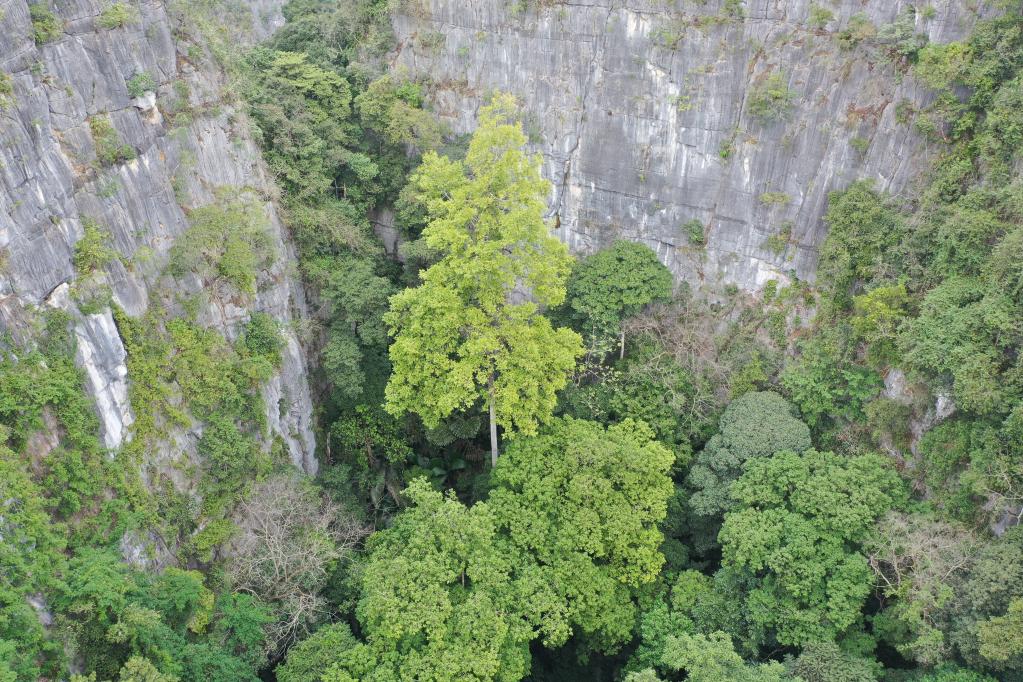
{"x": 438, "y": 601}
{"x": 569, "y": 532}
{"x": 472, "y": 330}
{"x": 582, "y": 504}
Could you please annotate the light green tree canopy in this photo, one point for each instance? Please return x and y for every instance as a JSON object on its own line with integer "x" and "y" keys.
{"x": 797, "y": 527}
{"x": 582, "y": 505}
{"x": 712, "y": 658}
{"x": 437, "y": 600}
{"x": 472, "y": 330}
{"x": 568, "y": 534}
{"x": 693, "y": 603}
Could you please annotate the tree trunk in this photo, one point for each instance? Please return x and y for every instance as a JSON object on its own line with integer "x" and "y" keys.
{"x": 493, "y": 426}
{"x": 621, "y": 352}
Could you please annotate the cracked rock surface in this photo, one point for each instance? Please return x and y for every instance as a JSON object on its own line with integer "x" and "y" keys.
{"x": 50, "y": 182}
{"x": 641, "y": 111}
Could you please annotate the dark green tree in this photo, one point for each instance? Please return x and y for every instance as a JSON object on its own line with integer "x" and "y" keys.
{"x": 755, "y": 425}
{"x": 612, "y": 285}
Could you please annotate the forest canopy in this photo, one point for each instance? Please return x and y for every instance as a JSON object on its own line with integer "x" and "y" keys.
{"x": 534, "y": 465}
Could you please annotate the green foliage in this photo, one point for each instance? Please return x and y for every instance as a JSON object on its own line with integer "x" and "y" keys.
{"x": 669, "y": 34}
{"x": 932, "y": 286}
{"x": 1001, "y": 637}
{"x": 649, "y": 385}
{"x": 876, "y": 317}
{"x": 110, "y": 150}
{"x": 713, "y": 659}
{"x": 695, "y": 605}
{"x": 863, "y": 231}
{"x": 771, "y": 100}
{"x": 611, "y": 285}
{"x": 962, "y": 331}
{"x": 6, "y": 90}
{"x": 938, "y": 65}
{"x": 819, "y": 16}
{"x": 582, "y": 506}
{"x": 182, "y": 373}
{"x": 36, "y": 388}
{"x": 373, "y": 446}
{"x": 826, "y": 662}
{"x": 308, "y": 659}
{"x": 983, "y": 612}
{"x": 901, "y": 37}
{"x": 118, "y": 15}
{"x": 954, "y": 456}
{"x": 755, "y": 425}
{"x": 858, "y": 30}
{"x": 919, "y": 562}
{"x": 695, "y": 232}
{"x": 213, "y": 377}
{"x": 796, "y": 526}
{"x": 262, "y": 338}
{"x": 775, "y": 198}
{"x": 456, "y": 592}
{"x": 352, "y": 35}
{"x": 952, "y": 673}
{"x": 438, "y": 601}
{"x": 123, "y": 620}
{"x": 227, "y": 241}
{"x": 459, "y": 338}
{"x": 303, "y": 112}
{"x": 825, "y": 385}
{"x": 30, "y": 561}
{"x": 92, "y": 251}
{"x": 394, "y": 108}
{"x": 140, "y": 84}
{"x": 46, "y": 27}
{"x": 357, "y": 297}
{"x": 230, "y": 459}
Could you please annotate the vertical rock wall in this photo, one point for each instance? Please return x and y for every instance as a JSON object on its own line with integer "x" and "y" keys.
{"x": 50, "y": 182}
{"x": 641, "y": 111}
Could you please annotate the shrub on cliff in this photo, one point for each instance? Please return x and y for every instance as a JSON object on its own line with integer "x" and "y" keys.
{"x": 117, "y": 15}
{"x": 46, "y": 27}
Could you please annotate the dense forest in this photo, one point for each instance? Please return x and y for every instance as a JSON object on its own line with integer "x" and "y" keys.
{"x": 537, "y": 466}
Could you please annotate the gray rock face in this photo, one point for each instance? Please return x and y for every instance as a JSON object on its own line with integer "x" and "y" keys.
{"x": 51, "y": 181}
{"x": 641, "y": 109}
{"x": 101, "y": 353}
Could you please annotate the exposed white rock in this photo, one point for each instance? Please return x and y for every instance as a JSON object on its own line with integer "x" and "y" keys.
{"x": 896, "y": 387}
{"x": 101, "y": 353}
{"x": 50, "y": 183}
{"x": 145, "y": 102}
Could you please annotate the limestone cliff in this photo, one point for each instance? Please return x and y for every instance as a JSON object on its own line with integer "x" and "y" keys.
{"x": 642, "y": 111}
{"x": 52, "y": 185}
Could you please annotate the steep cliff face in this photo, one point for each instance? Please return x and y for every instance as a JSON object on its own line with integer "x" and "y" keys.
{"x": 53, "y": 185}
{"x": 645, "y": 113}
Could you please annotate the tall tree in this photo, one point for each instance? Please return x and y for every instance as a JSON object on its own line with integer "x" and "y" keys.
{"x": 472, "y": 331}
